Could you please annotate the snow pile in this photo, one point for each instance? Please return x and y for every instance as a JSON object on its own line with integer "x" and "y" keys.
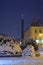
{"x": 8, "y": 46}
{"x": 28, "y": 51}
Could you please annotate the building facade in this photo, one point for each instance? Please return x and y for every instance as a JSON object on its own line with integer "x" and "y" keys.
{"x": 35, "y": 31}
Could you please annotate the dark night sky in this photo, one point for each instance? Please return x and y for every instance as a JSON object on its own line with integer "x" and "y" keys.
{"x": 11, "y": 13}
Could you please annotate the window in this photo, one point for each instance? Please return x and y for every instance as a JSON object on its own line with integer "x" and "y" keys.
{"x": 39, "y": 31}
{"x": 35, "y": 31}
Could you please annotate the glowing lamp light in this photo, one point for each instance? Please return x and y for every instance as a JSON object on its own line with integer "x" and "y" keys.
{"x": 40, "y": 34}
{"x": 42, "y": 45}
{"x": 42, "y": 41}
{"x": 20, "y": 43}
{"x": 37, "y": 41}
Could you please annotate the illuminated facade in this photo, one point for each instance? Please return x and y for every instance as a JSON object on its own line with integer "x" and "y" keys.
{"x": 35, "y": 31}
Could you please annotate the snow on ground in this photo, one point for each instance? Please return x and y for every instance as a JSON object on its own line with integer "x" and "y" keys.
{"x": 21, "y": 60}
{"x": 24, "y": 60}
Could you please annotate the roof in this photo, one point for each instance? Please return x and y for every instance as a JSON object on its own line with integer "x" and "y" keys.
{"x": 37, "y": 23}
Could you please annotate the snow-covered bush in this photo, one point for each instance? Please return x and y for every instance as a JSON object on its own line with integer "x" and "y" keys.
{"x": 32, "y": 42}
{"x": 28, "y": 51}
{"x": 8, "y": 46}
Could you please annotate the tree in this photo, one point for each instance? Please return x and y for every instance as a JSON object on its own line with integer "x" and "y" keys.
{"x": 29, "y": 42}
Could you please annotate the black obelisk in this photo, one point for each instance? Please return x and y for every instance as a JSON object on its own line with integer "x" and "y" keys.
{"x": 22, "y": 28}
{"x": 22, "y": 33}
